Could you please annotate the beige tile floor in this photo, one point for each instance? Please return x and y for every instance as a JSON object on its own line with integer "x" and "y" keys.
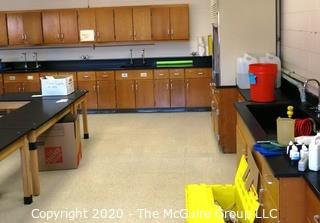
{"x": 132, "y": 161}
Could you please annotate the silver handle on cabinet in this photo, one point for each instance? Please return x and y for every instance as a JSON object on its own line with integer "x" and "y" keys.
{"x": 94, "y": 88}
{"x": 316, "y": 218}
{"x": 25, "y": 36}
{"x": 171, "y": 31}
{"x": 58, "y": 36}
{"x": 187, "y": 85}
{"x": 168, "y": 32}
{"x": 132, "y": 87}
{"x": 98, "y": 34}
{"x": 62, "y": 36}
{"x": 261, "y": 191}
{"x": 171, "y": 85}
{"x": 136, "y": 86}
{"x": 19, "y": 89}
{"x": 167, "y": 86}
{"x": 268, "y": 180}
{"x": 98, "y": 87}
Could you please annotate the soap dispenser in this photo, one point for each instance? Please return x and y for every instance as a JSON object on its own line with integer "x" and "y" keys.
{"x": 314, "y": 153}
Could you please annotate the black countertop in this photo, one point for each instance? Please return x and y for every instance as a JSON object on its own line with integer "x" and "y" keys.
{"x": 280, "y": 165}
{"x": 96, "y": 65}
{"x": 32, "y": 115}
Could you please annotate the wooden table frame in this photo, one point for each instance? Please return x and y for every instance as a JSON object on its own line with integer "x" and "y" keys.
{"x": 32, "y": 137}
{"x": 29, "y": 160}
{"x": 22, "y": 144}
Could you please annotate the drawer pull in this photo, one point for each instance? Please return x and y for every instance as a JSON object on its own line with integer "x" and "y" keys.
{"x": 86, "y": 76}
{"x": 161, "y": 74}
{"x": 176, "y": 74}
{"x": 105, "y": 75}
{"x": 124, "y": 75}
{"x": 143, "y": 74}
{"x": 316, "y": 218}
{"x": 200, "y": 73}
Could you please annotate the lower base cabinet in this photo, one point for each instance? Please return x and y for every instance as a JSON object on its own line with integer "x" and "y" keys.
{"x": 177, "y": 92}
{"x": 91, "y": 87}
{"x": 198, "y": 92}
{"x": 144, "y": 94}
{"x": 106, "y": 94}
{"x": 162, "y": 93}
{"x": 125, "y": 91}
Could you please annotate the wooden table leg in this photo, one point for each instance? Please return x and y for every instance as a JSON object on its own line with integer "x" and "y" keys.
{"x": 26, "y": 173}
{"x": 85, "y": 118}
{"x": 34, "y": 165}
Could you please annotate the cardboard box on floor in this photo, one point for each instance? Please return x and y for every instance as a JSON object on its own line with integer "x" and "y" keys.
{"x": 59, "y": 148}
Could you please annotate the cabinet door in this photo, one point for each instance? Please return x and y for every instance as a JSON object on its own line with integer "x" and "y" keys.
{"x": 51, "y": 27}
{"x": 86, "y": 20}
{"x": 12, "y": 87}
{"x": 144, "y": 94}
{"x": 123, "y": 23}
{"x": 91, "y": 87}
{"x": 162, "y": 93}
{"x": 3, "y": 30}
{"x": 160, "y": 23}
{"x": 179, "y": 20}
{"x": 241, "y": 144}
{"x": 32, "y": 86}
{"x": 1, "y": 85}
{"x": 69, "y": 26}
{"x": 104, "y": 25}
{"x": 198, "y": 92}
{"x": 15, "y": 28}
{"x": 313, "y": 205}
{"x": 125, "y": 91}
{"x": 142, "y": 23}
{"x": 106, "y": 93}
{"x": 32, "y": 28}
{"x": 177, "y": 93}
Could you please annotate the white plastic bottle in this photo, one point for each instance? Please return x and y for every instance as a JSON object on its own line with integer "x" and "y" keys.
{"x": 243, "y": 70}
{"x": 304, "y": 152}
{"x": 314, "y": 153}
{"x": 269, "y": 58}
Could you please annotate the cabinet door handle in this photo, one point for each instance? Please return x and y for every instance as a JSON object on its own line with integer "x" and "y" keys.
{"x": 171, "y": 31}
{"x": 25, "y": 36}
{"x": 62, "y": 36}
{"x": 187, "y": 85}
{"x": 171, "y": 85}
{"x": 167, "y": 86}
{"x": 98, "y": 34}
{"x": 316, "y": 218}
{"x": 98, "y": 87}
{"x": 136, "y": 86}
{"x": 268, "y": 180}
{"x": 58, "y": 36}
{"x": 94, "y": 88}
{"x": 168, "y": 32}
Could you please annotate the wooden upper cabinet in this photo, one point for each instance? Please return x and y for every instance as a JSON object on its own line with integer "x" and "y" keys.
{"x": 32, "y": 28}
{"x": 86, "y": 20}
{"x": 179, "y": 20}
{"x": 60, "y": 26}
{"x": 160, "y": 23}
{"x": 3, "y": 30}
{"x": 123, "y": 23}
{"x": 51, "y": 27}
{"x": 104, "y": 25}
{"x": 141, "y": 23}
{"x": 15, "y": 28}
{"x": 69, "y": 26}
{"x": 24, "y": 28}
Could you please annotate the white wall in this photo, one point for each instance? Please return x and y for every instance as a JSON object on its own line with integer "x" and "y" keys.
{"x": 246, "y": 26}
{"x": 199, "y": 26}
{"x": 300, "y": 32}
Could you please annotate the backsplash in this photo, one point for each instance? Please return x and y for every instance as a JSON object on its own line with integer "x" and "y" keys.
{"x": 300, "y": 32}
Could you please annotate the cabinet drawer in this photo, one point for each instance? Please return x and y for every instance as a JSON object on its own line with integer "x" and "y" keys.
{"x": 105, "y": 75}
{"x": 176, "y": 73}
{"x": 125, "y": 75}
{"x": 48, "y": 74}
{"x": 31, "y": 77}
{"x": 86, "y": 76}
{"x": 198, "y": 72}
{"x": 144, "y": 74}
{"x": 161, "y": 74}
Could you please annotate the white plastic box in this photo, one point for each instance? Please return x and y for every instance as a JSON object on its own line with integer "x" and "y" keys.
{"x": 57, "y": 85}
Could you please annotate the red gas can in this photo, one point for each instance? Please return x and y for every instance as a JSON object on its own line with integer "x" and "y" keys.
{"x": 262, "y": 82}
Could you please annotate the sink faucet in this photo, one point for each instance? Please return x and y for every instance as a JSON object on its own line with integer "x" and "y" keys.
{"x": 143, "y": 55}
{"x": 305, "y": 86}
{"x": 35, "y": 56}
{"x": 25, "y": 60}
{"x": 131, "y": 57}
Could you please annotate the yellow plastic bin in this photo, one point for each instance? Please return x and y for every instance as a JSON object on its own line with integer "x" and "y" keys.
{"x": 209, "y": 203}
